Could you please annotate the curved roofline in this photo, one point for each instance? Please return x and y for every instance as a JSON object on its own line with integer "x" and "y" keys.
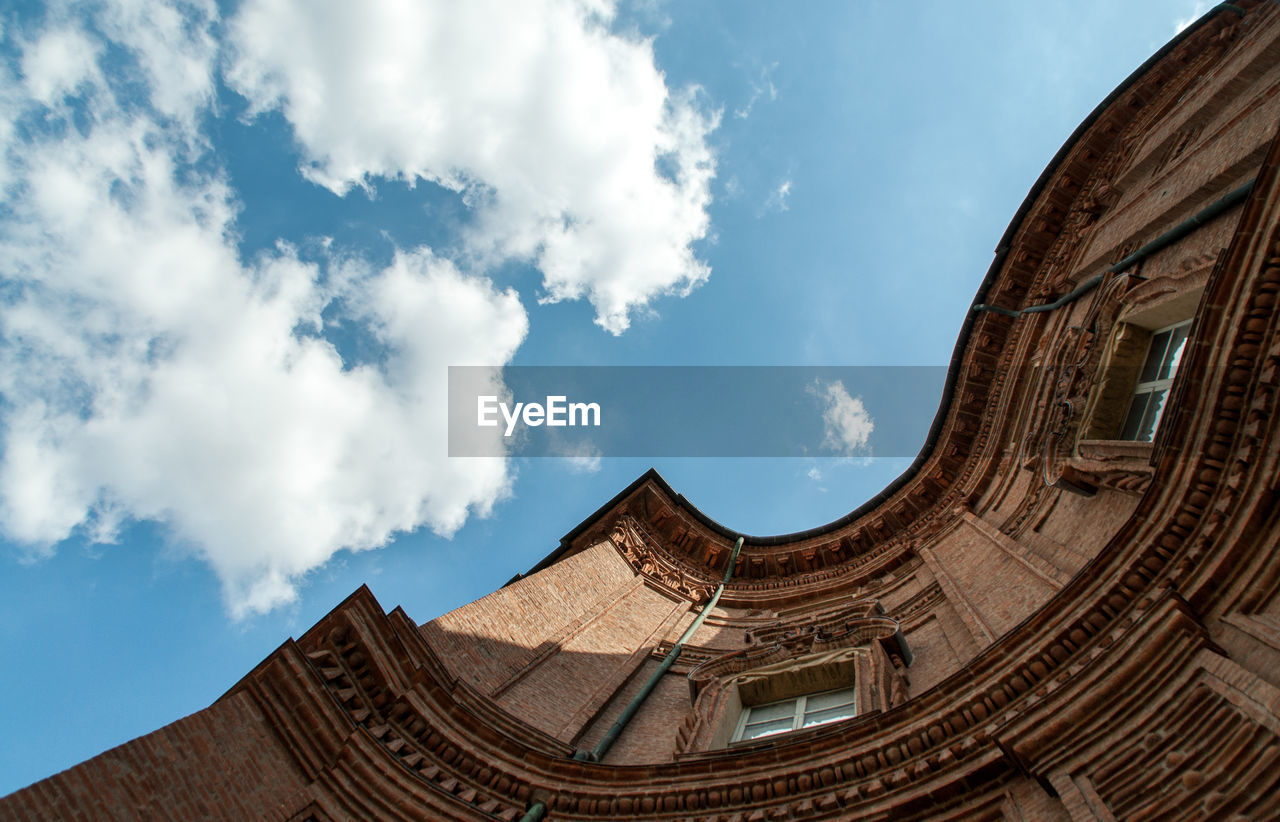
{"x": 953, "y": 368}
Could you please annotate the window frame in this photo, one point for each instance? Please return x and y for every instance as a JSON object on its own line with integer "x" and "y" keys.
{"x": 1145, "y": 390}
{"x": 799, "y": 712}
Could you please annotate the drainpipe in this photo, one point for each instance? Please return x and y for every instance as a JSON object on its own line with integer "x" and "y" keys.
{"x": 1182, "y": 229}
{"x": 536, "y": 812}
{"x": 633, "y": 707}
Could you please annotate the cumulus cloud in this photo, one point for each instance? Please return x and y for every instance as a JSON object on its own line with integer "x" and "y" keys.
{"x": 561, "y": 134}
{"x": 847, "y": 427}
{"x": 149, "y": 373}
{"x": 57, "y": 63}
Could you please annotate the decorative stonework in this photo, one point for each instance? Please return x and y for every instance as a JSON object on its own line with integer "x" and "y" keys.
{"x": 630, "y": 539}
{"x": 1132, "y": 691}
{"x": 1069, "y": 382}
{"x": 1113, "y": 464}
{"x": 919, "y": 606}
{"x": 850, "y": 646}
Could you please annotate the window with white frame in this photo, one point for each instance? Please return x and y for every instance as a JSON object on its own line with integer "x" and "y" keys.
{"x": 1154, "y": 382}
{"x": 793, "y": 714}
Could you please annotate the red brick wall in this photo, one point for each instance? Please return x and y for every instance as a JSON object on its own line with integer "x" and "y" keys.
{"x": 651, "y": 734}
{"x": 720, "y": 630}
{"x": 220, "y": 763}
{"x": 557, "y": 694}
{"x": 487, "y": 641}
{"x": 1001, "y": 590}
{"x": 934, "y": 654}
{"x": 1233, "y": 112}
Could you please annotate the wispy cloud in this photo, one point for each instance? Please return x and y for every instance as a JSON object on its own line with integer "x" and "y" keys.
{"x": 584, "y": 465}
{"x": 762, "y": 86}
{"x": 581, "y": 457}
{"x": 779, "y": 197}
{"x": 1197, "y": 12}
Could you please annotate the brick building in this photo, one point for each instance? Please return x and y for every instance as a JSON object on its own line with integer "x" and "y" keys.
{"x": 1068, "y": 608}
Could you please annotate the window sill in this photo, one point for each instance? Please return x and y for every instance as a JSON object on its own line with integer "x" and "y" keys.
{"x": 1116, "y": 465}
{"x": 1115, "y": 451}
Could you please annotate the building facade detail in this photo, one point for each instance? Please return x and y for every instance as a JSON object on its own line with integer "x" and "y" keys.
{"x": 1039, "y": 619}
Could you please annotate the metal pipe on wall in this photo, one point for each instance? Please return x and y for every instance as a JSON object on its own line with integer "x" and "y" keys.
{"x": 633, "y": 707}
{"x": 1182, "y": 229}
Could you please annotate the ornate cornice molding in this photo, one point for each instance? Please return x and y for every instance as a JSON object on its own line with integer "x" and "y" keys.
{"x": 816, "y": 641}
{"x": 362, "y": 693}
{"x": 640, "y": 551}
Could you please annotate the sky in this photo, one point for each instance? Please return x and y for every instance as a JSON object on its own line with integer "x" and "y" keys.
{"x": 241, "y": 243}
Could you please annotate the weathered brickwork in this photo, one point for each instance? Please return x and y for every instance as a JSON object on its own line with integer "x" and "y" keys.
{"x": 551, "y": 697}
{"x": 1038, "y": 622}
{"x": 999, "y": 590}
{"x": 651, "y": 736}
{"x": 501, "y": 635}
{"x": 935, "y": 655}
{"x": 221, "y": 763}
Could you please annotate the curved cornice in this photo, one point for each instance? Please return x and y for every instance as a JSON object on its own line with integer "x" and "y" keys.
{"x": 973, "y": 380}
{"x": 1125, "y": 676}
{"x": 1120, "y": 643}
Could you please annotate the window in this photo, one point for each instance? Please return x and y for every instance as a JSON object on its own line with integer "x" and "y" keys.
{"x": 793, "y": 714}
{"x": 1154, "y": 382}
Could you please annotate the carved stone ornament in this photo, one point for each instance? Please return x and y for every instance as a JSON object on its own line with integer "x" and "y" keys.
{"x": 1069, "y": 377}
{"x": 854, "y": 645}
{"x": 633, "y": 543}
{"x": 1116, "y": 465}
{"x": 792, "y": 644}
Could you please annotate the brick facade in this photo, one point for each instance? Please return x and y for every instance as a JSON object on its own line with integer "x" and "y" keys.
{"x": 1039, "y": 622}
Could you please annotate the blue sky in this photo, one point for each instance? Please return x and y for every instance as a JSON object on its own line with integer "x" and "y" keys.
{"x": 241, "y": 243}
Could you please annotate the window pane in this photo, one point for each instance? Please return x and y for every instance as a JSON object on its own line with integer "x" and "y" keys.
{"x": 1150, "y": 419}
{"x": 1133, "y": 422}
{"x": 1177, "y": 342}
{"x": 818, "y": 702}
{"x": 764, "y": 713}
{"x": 823, "y": 717}
{"x": 1155, "y": 356}
{"x": 777, "y": 726}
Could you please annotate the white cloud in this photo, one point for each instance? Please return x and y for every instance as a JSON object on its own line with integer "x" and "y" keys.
{"x": 763, "y": 87}
{"x": 175, "y": 48}
{"x": 582, "y": 458}
{"x": 149, "y": 373}
{"x": 57, "y": 63}
{"x": 562, "y": 135}
{"x": 1197, "y": 12}
{"x": 777, "y": 200}
{"x": 583, "y": 465}
{"x": 847, "y": 427}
